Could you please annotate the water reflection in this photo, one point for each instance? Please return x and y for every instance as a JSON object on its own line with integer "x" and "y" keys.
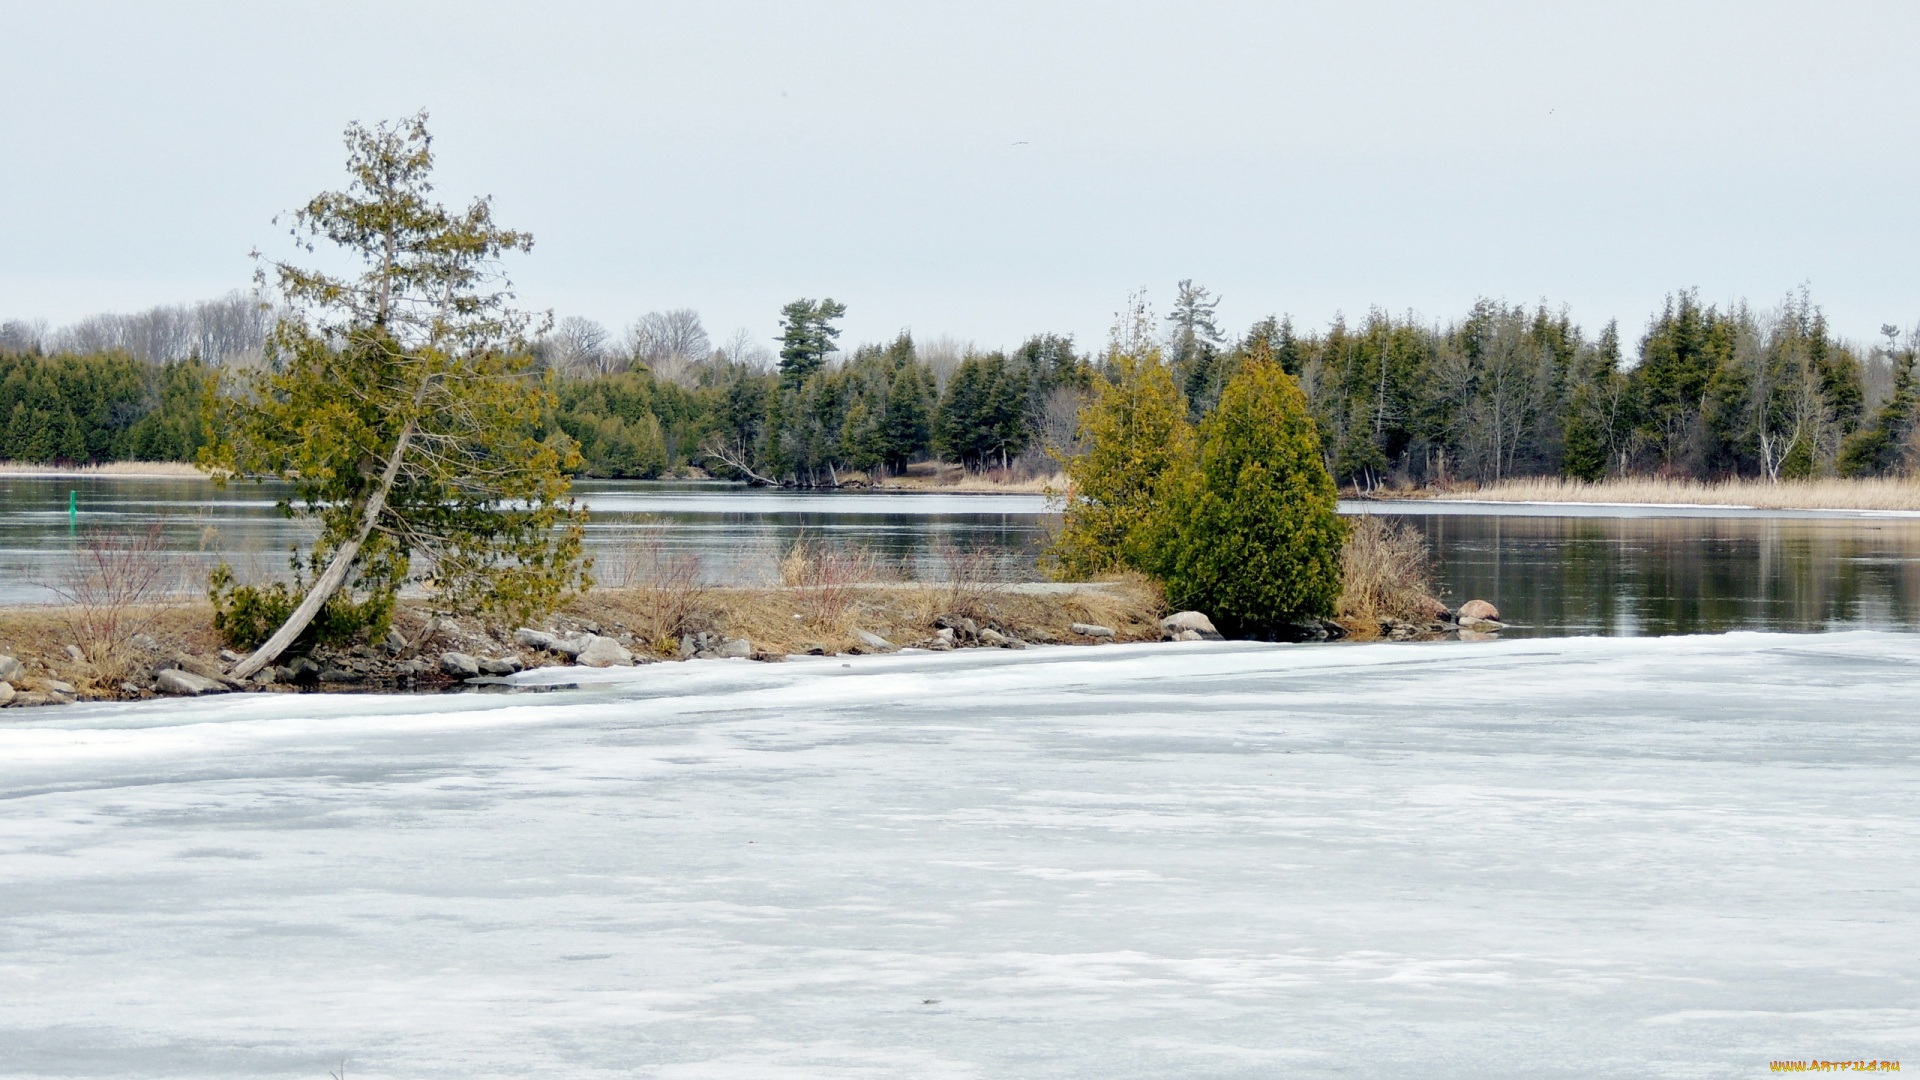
{"x": 1629, "y": 576}
{"x": 1627, "y": 572}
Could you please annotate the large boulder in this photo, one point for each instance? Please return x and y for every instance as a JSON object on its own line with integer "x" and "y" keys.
{"x": 9, "y": 668}
{"x": 1190, "y": 620}
{"x": 6, "y": 693}
{"x": 604, "y": 652}
{"x": 1478, "y": 609}
{"x": 459, "y": 665}
{"x": 186, "y": 683}
{"x": 1092, "y": 630}
{"x": 874, "y": 641}
{"x": 1433, "y": 610}
{"x": 573, "y": 645}
{"x": 738, "y": 648}
{"x": 502, "y": 665}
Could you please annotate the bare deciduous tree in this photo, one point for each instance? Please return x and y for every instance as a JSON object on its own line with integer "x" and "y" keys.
{"x": 580, "y": 346}
{"x": 669, "y": 343}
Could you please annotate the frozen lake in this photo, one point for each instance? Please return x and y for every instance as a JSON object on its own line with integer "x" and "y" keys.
{"x": 1575, "y": 857}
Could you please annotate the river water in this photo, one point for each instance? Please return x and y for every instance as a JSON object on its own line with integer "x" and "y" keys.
{"x": 1552, "y": 570}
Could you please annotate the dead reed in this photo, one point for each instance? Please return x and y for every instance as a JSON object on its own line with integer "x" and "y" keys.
{"x": 1876, "y": 493}
{"x": 1386, "y": 571}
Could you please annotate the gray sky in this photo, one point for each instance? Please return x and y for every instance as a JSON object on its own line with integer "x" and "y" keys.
{"x": 988, "y": 170}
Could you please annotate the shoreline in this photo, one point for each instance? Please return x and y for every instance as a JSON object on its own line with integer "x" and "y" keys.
{"x": 1886, "y": 495}
{"x": 58, "y": 663}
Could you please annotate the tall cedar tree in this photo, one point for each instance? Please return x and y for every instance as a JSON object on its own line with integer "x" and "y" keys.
{"x": 1135, "y": 430}
{"x": 1249, "y": 531}
{"x": 400, "y": 406}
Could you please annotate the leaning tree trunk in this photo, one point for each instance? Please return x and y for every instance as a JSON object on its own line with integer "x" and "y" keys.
{"x": 335, "y": 575}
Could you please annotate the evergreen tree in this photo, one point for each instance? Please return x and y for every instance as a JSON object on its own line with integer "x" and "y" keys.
{"x": 1135, "y": 430}
{"x": 807, "y": 336}
{"x": 400, "y": 407}
{"x": 1250, "y": 532}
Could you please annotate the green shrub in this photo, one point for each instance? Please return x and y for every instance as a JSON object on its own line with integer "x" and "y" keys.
{"x": 1250, "y": 532}
{"x": 246, "y": 615}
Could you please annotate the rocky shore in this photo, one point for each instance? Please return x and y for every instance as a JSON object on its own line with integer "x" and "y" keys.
{"x": 427, "y": 652}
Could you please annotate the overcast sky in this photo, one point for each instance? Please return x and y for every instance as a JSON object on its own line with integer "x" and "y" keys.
{"x": 990, "y": 170}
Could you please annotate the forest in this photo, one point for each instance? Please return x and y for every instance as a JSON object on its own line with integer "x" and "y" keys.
{"x": 1503, "y": 391}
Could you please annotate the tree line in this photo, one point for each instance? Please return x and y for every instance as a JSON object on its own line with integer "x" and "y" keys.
{"x": 1705, "y": 392}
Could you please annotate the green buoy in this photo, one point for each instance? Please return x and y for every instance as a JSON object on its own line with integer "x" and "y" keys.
{"x": 73, "y": 508}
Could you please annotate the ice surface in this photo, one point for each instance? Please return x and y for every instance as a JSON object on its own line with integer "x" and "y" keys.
{"x": 1678, "y": 857}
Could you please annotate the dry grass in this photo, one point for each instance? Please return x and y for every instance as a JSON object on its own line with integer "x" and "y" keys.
{"x": 940, "y": 476}
{"x": 168, "y": 469}
{"x": 971, "y": 573}
{"x": 777, "y": 619}
{"x": 826, "y": 578}
{"x": 1386, "y": 570}
{"x": 661, "y": 590}
{"x": 1880, "y": 493}
{"x": 39, "y": 634}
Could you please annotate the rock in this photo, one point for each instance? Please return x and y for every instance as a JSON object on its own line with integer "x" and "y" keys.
{"x": 998, "y": 640}
{"x": 27, "y": 700}
{"x": 57, "y": 686}
{"x": 145, "y": 643}
{"x": 413, "y": 668}
{"x": 533, "y": 639}
{"x": 186, "y": 683}
{"x": 395, "y": 641}
{"x": 459, "y": 665}
{"x": 500, "y": 665}
{"x": 303, "y": 671}
{"x": 964, "y": 629}
{"x": 9, "y": 668}
{"x": 573, "y": 646}
{"x": 78, "y": 654}
{"x": 1481, "y": 626}
{"x": 266, "y": 676}
{"x": 943, "y": 638}
{"x": 875, "y": 641}
{"x": 230, "y": 656}
{"x": 1087, "y": 629}
{"x": 1186, "y": 635}
{"x": 6, "y": 693}
{"x": 1191, "y": 620}
{"x": 1478, "y": 609}
{"x": 188, "y": 662}
{"x": 734, "y": 648}
{"x": 602, "y": 652}
{"x": 1432, "y": 610}
{"x": 591, "y": 627}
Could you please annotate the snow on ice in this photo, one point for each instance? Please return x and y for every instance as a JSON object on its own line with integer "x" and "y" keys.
{"x": 1677, "y": 857}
